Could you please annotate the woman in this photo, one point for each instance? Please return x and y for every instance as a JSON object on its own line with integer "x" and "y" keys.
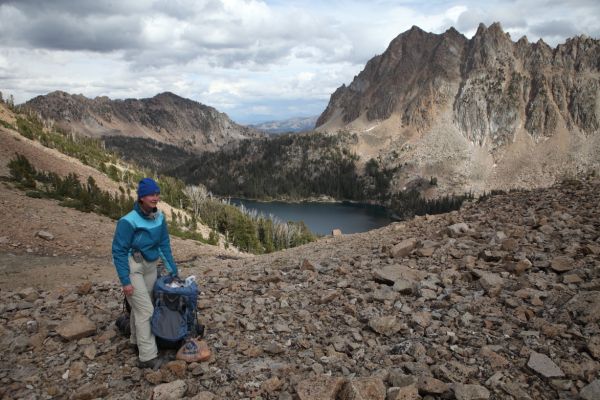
{"x": 141, "y": 238}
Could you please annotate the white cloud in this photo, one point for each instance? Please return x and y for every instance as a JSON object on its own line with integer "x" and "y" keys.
{"x": 250, "y": 58}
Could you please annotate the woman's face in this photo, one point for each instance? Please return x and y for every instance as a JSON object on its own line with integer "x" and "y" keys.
{"x": 149, "y": 202}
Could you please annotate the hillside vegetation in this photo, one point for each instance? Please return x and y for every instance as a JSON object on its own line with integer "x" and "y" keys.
{"x": 248, "y": 232}
{"x": 308, "y": 166}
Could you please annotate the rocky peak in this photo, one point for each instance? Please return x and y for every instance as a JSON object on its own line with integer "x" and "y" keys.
{"x": 387, "y": 81}
{"x": 491, "y": 91}
{"x": 488, "y": 66}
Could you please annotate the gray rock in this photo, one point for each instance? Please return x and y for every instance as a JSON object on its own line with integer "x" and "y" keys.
{"x": 397, "y": 378}
{"x": 45, "y": 235}
{"x": 170, "y": 391}
{"x": 409, "y": 392}
{"x": 543, "y": 365}
{"x": 431, "y": 385}
{"x": 458, "y": 229}
{"x": 384, "y": 293}
{"x": 79, "y": 327}
{"x": 404, "y": 248}
{"x": 591, "y": 391}
{"x": 403, "y": 286}
{"x": 386, "y": 325}
{"x": 562, "y": 264}
{"x": 585, "y": 306}
{"x": 391, "y": 273}
{"x": 322, "y": 387}
{"x": 90, "y": 391}
{"x": 516, "y": 391}
{"x": 363, "y": 388}
{"x": 470, "y": 392}
{"x": 489, "y": 280}
{"x": 593, "y": 346}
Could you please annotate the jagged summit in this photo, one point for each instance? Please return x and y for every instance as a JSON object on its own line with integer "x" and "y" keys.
{"x": 483, "y": 103}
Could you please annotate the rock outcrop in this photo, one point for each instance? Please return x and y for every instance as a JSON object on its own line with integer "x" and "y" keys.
{"x": 165, "y": 118}
{"x": 325, "y": 321}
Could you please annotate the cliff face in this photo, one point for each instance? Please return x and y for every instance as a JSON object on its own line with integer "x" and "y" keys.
{"x": 402, "y": 80}
{"x": 165, "y": 117}
{"x": 470, "y": 110}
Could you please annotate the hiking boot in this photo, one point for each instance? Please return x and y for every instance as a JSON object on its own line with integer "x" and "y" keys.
{"x": 155, "y": 363}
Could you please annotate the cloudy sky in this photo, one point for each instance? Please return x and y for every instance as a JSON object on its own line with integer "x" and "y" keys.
{"x": 256, "y": 60}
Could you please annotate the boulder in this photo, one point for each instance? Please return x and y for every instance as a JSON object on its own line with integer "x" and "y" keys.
{"x": 543, "y": 365}
{"x": 386, "y": 325}
{"x": 562, "y": 264}
{"x": 78, "y": 327}
{"x": 170, "y": 391}
{"x": 488, "y": 280}
{"x": 470, "y": 392}
{"x": 585, "y": 306}
{"x": 45, "y": 235}
{"x": 431, "y": 385}
{"x": 363, "y": 388}
{"x": 403, "y": 286}
{"x": 90, "y": 391}
{"x": 397, "y": 378}
{"x": 409, "y": 392}
{"x": 322, "y": 387}
{"x": 522, "y": 266}
{"x": 392, "y": 273}
{"x": 457, "y": 230}
{"x": 591, "y": 391}
{"x": 404, "y": 248}
{"x": 593, "y": 345}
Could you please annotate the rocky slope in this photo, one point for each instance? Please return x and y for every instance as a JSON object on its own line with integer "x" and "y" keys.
{"x": 165, "y": 118}
{"x": 478, "y": 114}
{"x": 499, "y": 300}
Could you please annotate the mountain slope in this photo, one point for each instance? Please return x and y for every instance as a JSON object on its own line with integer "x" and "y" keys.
{"x": 165, "y": 118}
{"x": 478, "y": 114}
{"x": 498, "y": 300}
{"x": 71, "y": 228}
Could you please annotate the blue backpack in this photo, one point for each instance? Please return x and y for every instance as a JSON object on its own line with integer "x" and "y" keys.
{"x": 175, "y": 312}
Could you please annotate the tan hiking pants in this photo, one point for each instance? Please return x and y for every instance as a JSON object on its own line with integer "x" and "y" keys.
{"x": 143, "y": 276}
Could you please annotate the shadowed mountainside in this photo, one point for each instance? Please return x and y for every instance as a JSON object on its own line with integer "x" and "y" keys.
{"x": 165, "y": 118}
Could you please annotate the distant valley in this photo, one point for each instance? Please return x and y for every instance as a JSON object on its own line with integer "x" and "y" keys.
{"x": 298, "y": 124}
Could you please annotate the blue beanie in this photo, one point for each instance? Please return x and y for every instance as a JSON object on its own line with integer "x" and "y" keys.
{"x": 147, "y": 186}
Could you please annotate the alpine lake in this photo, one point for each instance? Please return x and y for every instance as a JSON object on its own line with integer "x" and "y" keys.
{"x": 322, "y": 218}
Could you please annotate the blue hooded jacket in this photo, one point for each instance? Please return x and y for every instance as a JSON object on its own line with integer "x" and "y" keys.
{"x": 137, "y": 231}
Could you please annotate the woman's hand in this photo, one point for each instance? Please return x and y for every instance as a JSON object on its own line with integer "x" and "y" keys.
{"x": 128, "y": 290}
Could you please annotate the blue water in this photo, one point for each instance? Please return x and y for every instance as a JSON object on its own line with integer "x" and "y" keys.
{"x": 322, "y": 218}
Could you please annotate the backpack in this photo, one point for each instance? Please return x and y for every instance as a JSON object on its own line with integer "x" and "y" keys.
{"x": 122, "y": 322}
{"x": 175, "y": 312}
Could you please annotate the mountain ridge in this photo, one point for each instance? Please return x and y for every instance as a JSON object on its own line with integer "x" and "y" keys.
{"x": 166, "y": 118}
{"x": 470, "y": 111}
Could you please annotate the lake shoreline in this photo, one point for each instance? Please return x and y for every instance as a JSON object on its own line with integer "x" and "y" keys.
{"x": 311, "y": 200}
{"x": 321, "y": 217}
